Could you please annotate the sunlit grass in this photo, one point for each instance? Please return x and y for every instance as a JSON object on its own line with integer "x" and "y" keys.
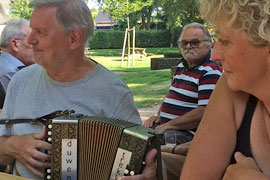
{"x": 147, "y": 86}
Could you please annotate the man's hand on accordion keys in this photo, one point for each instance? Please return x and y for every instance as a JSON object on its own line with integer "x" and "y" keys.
{"x": 150, "y": 170}
{"x": 25, "y": 149}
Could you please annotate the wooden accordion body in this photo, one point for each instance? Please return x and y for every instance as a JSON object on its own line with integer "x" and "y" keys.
{"x": 96, "y": 148}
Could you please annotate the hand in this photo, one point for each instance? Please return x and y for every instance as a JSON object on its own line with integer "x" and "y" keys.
{"x": 25, "y": 149}
{"x": 150, "y": 170}
{"x": 150, "y": 121}
{"x": 244, "y": 169}
{"x": 181, "y": 149}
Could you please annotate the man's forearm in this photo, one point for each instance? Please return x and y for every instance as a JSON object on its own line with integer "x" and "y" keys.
{"x": 188, "y": 121}
{"x": 5, "y": 157}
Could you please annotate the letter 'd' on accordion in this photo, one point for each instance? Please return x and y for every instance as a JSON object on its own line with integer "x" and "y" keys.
{"x": 96, "y": 148}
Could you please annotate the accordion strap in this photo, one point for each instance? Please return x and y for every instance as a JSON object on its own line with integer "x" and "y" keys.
{"x": 159, "y": 160}
{"x": 36, "y": 120}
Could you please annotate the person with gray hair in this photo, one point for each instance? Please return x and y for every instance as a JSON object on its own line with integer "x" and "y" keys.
{"x": 16, "y": 52}
{"x": 63, "y": 78}
{"x": 232, "y": 141}
{"x": 194, "y": 80}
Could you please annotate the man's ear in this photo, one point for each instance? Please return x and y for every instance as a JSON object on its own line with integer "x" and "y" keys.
{"x": 14, "y": 45}
{"x": 75, "y": 38}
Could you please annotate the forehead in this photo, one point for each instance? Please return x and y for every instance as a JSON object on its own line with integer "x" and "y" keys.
{"x": 193, "y": 33}
{"x": 43, "y": 17}
{"x": 225, "y": 32}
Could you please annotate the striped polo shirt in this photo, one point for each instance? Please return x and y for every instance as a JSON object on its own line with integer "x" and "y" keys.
{"x": 190, "y": 88}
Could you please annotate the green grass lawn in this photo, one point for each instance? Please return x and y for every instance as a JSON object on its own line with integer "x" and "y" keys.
{"x": 118, "y": 52}
{"x": 148, "y": 86}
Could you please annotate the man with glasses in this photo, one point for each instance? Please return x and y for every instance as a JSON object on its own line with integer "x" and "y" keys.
{"x": 16, "y": 52}
{"x": 193, "y": 82}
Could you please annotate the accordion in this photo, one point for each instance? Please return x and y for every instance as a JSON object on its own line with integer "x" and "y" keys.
{"x": 97, "y": 148}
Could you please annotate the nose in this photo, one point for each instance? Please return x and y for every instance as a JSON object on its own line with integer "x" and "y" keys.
{"x": 31, "y": 39}
{"x": 188, "y": 46}
{"x": 217, "y": 54}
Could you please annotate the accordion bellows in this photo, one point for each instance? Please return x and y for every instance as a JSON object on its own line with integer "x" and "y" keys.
{"x": 96, "y": 148}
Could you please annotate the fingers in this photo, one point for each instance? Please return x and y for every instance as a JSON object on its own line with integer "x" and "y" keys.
{"x": 149, "y": 122}
{"x": 40, "y": 135}
{"x": 150, "y": 157}
{"x": 37, "y": 163}
{"x": 35, "y": 171}
{"x": 238, "y": 156}
{"x": 40, "y": 155}
{"x": 28, "y": 150}
{"x": 137, "y": 177}
{"x": 149, "y": 172}
{"x": 166, "y": 149}
{"x": 157, "y": 120}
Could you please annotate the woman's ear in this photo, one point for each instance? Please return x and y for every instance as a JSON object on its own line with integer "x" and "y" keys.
{"x": 75, "y": 38}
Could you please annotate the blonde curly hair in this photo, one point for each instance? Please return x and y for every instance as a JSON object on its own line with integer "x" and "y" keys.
{"x": 252, "y": 16}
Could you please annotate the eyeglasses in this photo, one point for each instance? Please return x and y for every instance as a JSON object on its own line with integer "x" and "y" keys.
{"x": 194, "y": 43}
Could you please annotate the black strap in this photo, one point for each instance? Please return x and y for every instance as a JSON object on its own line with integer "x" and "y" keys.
{"x": 243, "y": 133}
{"x": 159, "y": 161}
{"x": 36, "y": 120}
{"x": 2, "y": 95}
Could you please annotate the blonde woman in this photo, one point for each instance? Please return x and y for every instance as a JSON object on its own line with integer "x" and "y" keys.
{"x": 233, "y": 139}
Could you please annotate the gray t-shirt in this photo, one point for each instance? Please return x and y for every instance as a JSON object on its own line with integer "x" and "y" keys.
{"x": 32, "y": 93}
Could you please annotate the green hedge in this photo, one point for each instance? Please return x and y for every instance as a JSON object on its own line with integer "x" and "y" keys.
{"x": 115, "y": 39}
{"x": 173, "y": 55}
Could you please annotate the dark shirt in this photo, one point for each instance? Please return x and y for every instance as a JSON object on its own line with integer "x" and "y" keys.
{"x": 2, "y": 96}
{"x": 191, "y": 87}
{"x": 3, "y": 93}
{"x": 243, "y": 133}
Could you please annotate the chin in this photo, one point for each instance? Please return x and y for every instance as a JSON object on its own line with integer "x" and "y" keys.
{"x": 234, "y": 85}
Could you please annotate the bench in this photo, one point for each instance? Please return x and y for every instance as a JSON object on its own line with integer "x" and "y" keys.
{"x": 139, "y": 51}
{"x": 87, "y": 52}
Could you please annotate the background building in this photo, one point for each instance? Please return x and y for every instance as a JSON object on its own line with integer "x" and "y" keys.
{"x": 103, "y": 21}
{"x": 4, "y": 7}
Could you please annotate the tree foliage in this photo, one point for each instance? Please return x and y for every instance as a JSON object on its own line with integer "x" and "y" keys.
{"x": 20, "y": 9}
{"x": 121, "y": 9}
{"x": 94, "y": 13}
{"x": 178, "y": 13}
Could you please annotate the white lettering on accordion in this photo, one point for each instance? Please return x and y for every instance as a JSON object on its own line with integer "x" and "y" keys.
{"x": 121, "y": 161}
{"x": 69, "y": 159}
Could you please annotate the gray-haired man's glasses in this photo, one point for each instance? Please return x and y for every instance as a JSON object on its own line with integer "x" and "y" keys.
{"x": 194, "y": 43}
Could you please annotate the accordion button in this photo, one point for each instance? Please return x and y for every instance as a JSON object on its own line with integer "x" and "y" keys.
{"x": 126, "y": 171}
{"x": 49, "y": 139}
{"x": 50, "y": 126}
{"x": 132, "y": 173}
{"x": 48, "y": 177}
{"x": 49, "y": 133}
{"x": 143, "y": 162}
{"x": 48, "y": 171}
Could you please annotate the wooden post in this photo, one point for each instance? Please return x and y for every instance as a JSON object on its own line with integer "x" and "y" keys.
{"x": 133, "y": 53}
{"x": 128, "y": 43}
{"x": 124, "y": 47}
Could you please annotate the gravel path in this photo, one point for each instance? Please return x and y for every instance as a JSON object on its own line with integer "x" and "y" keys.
{"x": 145, "y": 113}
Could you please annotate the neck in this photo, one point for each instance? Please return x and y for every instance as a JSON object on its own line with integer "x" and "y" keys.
{"x": 72, "y": 70}
{"x": 8, "y": 50}
{"x": 191, "y": 64}
{"x": 259, "y": 89}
